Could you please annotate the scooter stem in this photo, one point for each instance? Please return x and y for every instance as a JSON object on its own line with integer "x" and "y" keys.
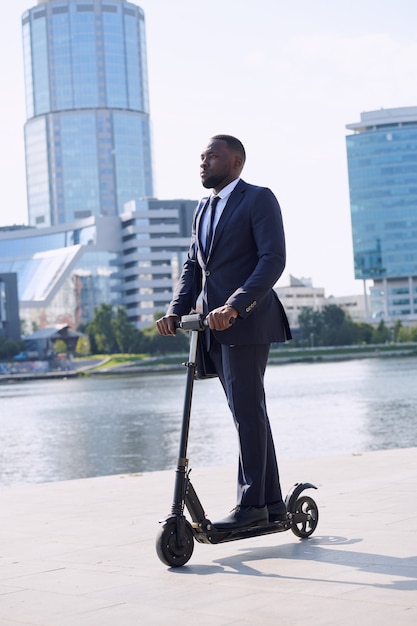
{"x": 182, "y": 463}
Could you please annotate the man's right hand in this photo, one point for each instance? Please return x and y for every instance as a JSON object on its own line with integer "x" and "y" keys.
{"x": 167, "y": 325}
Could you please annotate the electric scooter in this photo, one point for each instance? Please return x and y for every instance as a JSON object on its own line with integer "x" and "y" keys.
{"x": 175, "y": 540}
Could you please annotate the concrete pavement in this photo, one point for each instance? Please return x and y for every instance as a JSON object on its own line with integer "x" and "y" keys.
{"x": 82, "y": 552}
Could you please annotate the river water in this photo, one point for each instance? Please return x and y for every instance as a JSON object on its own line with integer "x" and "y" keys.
{"x": 97, "y": 426}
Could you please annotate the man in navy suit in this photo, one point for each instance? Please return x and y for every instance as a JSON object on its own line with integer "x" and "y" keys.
{"x": 236, "y": 256}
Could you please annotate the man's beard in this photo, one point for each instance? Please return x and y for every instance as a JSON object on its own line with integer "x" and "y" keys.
{"x": 211, "y": 182}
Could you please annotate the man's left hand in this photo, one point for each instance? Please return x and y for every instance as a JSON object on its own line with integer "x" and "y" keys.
{"x": 220, "y": 318}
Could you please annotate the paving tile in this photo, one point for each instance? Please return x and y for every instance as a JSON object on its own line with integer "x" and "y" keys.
{"x": 82, "y": 553}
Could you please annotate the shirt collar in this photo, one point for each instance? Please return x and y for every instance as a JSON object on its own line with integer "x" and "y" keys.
{"x": 226, "y": 191}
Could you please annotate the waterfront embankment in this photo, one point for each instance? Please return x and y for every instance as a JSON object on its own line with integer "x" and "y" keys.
{"x": 130, "y": 364}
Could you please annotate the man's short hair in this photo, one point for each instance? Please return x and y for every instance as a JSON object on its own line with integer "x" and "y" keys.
{"x": 233, "y": 143}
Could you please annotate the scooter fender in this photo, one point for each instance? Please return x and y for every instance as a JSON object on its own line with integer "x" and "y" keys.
{"x": 293, "y": 494}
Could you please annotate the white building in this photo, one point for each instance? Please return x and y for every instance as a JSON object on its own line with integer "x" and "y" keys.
{"x": 298, "y": 295}
{"x": 301, "y": 294}
{"x": 155, "y": 240}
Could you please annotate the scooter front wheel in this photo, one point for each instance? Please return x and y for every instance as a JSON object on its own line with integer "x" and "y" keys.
{"x": 306, "y": 517}
{"x": 174, "y": 550}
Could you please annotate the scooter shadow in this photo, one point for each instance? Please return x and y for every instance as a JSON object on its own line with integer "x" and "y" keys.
{"x": 238, "y": 562}
{"x": 318, "y": 549}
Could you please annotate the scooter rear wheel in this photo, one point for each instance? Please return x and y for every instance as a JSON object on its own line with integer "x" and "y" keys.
{"x": 172, "y": 550}
{"x": 310, "y": 512}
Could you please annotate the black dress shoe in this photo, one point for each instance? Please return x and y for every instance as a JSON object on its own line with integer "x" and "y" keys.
{"x": 242, "y": 517}
{"x": 277, "y": 512}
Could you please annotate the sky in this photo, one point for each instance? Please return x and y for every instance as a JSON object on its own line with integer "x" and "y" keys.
{"x": 284, "y": 77}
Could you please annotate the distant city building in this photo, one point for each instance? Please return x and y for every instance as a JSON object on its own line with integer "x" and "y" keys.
{"x": 382, "y": 164}
{"x": 354, "y": 306}
{"x": 96, "y": 233}
{"x": 300, "y": 294}
{"x": 155, "y": 241}
{"x": 65, "y": 272}
{"x": 9, "y": 306}
{"x": 87, "y": 137}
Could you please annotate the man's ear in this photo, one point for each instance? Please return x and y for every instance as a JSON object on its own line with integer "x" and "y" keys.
{"x": 238, "y": 162}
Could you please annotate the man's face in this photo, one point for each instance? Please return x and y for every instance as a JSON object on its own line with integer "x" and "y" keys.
{"x": 219, "y": 165}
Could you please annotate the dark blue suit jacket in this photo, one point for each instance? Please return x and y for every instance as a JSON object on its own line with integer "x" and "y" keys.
{"x": 246, "y": 259}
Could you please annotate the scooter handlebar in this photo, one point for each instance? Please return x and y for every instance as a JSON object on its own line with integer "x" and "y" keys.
{"x": 195, "y": 321}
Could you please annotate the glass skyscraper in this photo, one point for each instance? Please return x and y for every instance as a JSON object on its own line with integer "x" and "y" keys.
{"x": 382, "y": 165}
{"x": 87, "y": 133}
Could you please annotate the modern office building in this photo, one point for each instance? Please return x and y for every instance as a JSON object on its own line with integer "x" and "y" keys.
{"x": 87, "y": 136}
{"x": 65, "y": 272}
{"x": 155, "y": 238}
{"x": 382, "y": 165}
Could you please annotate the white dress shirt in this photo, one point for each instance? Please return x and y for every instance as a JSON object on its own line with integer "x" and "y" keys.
{"x": 224, "y": 196}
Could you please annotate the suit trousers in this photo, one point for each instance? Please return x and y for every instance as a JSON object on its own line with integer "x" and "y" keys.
{"x": 241, "y": 370}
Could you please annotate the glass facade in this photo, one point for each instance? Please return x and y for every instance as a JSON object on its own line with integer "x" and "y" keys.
{"x": 64, "y": 273}
{"x": 382, "y": 165}
{"x": 37, "y": 171}
{"x": 382, "y": 162}
{"x": 87, "y": 131}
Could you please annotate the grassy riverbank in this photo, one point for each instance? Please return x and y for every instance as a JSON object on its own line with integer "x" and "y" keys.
{"x": 129, "y": 363}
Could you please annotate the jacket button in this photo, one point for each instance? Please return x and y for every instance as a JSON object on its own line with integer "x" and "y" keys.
{"x": 207, "y": 273}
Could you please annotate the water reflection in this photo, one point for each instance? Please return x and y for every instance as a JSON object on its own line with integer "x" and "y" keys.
{"x": 57, "y": 430}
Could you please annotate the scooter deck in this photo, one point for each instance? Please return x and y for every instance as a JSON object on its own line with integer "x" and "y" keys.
{"x": 214, "y": 536}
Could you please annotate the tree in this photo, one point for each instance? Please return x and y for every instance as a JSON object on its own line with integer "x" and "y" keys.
{"x": 381, "y": 334}
{"x": 83, "y": 346}
{"x": 60, "y": 347}
{"x": 310, "y": 323}
{"x": 332, "y": 326}
{"x": 140, "y": 343}
{"x": 338, "y": 329}
{"x": 364, "y": 332}
{"x": 157, "y": 344}
{"x": 10, "y": 347}
{"x": 123, "y": 331}
{"x": 101, "y": 331}
{"x": 110, "y": 331}
{"x": 398, "y": 326}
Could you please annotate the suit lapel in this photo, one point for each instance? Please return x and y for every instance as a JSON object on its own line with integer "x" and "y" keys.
{"x": 201, "y": 210}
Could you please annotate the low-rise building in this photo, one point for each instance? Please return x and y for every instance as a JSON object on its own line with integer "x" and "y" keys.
{"x": 300, "y": 294}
